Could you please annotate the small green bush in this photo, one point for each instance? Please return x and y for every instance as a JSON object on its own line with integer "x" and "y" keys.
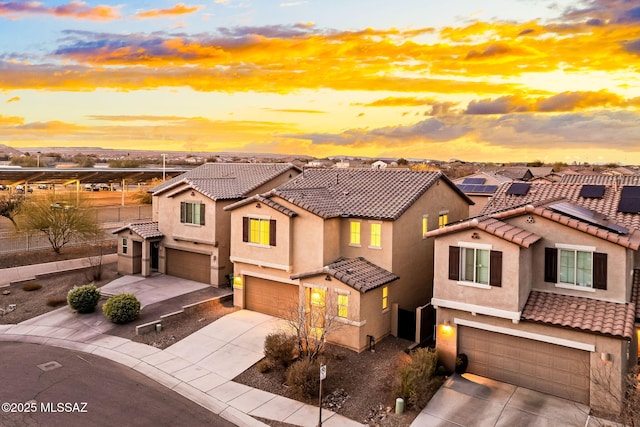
{"x": 415, "y": 377}
{"x": 279, "y": 348}
{"x": 122, "y": 308}
{"x": 56, "y": 301}
{"x": 83, "y": 299}
{"x": 33, "y": 286}
{"x": 303, "y": 377}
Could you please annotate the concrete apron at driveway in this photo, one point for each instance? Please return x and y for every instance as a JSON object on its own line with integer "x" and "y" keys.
{"x": 470, "y": 400}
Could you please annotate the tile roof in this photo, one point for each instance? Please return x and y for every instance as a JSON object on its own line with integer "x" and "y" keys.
{"x": 262, "y": 199}
{"x": 221, "y": 181}
{"x": 543, "y": 192}
{"x": 493, "y": 226}
{"x": 358, "y": 273}
{"x": 146, "y": 230}
{"x": 366, "y": 193}
{"x": 601, "y": 179}
{"x": 585, "y": 314}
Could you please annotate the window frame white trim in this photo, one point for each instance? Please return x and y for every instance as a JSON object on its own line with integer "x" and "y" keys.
{"x": 260, "y": 218}
{"x": 475, "y": 246}
{"x": 355, "y": 245}
{"x": 575, "y": 248}
{"x": 371, "y": 223}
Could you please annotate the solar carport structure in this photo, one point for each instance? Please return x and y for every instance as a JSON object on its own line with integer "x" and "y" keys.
{"x": 12, "y": 176}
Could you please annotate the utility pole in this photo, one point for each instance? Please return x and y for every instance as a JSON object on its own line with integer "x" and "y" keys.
{"x": 164, "y": 162}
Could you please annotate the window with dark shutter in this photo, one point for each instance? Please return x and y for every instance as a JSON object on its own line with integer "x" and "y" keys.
{"x": 550, "y": 265}
{"x": 599, "y": 270}
{"x": 201, "y": 213}
{"x": 454, "y": 263}
{"x": 183, "y": 212}
{"x": 272, "y": 232}
{"x": 495, "y": 265}
{"x": 245, "y": 229}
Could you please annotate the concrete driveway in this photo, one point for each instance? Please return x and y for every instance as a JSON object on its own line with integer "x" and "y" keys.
{"x": 470, "y": 400}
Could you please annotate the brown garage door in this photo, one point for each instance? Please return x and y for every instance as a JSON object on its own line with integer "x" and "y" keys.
{"x": 549, "y": 368}
{"x": 269, "y": 297}
{"x": 189, "y": 265}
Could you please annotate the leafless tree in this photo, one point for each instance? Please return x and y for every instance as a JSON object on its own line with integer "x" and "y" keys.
{"x": 619, "y": 403}
{"x": 311, "y": 324}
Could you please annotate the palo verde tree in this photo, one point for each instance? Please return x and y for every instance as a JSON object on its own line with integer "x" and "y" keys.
{"x": 60, "y": 219}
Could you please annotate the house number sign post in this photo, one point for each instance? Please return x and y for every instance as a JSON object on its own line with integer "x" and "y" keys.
{"x": 323, "y": 375}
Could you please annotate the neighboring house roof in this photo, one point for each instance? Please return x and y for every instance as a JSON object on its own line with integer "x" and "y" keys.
{"x": 601, "y": 179}
{"x": 357, "y": 273}
{"x": 515, "y": 173}
{"x": 364, "y": 193}
{"x": 541, "y": 171}
{"x": 552, "y": 209}
{"x": 493, "y": 226}
{"x": 585, "y": 314}
{"x": 221, "y": 181}
{"x": 146, "y": 230}
{"x": 606, "y": 205}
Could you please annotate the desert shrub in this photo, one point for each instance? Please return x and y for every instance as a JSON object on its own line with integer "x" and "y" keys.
{"x": 83, "y": 299}
{"x": 122, "y": 308}
{"x": 33, "y": 286}
{"x": 56, "y": 301}
{"x": 415, "y": 377}
{"x": 265, "y": 365}
{"x": 279, "y": 348}
{"x": 441, "y": 371}
{"x": 462, "y": 361}
{"x": 303, "y": 377}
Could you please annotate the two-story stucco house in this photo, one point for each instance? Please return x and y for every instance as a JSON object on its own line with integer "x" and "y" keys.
{"x": 190, "y": 232}
{"x": 541, "y": 290}
{"x": 348, "y": 243}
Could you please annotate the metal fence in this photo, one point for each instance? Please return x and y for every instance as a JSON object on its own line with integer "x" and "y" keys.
{"x": 110, "y": 218}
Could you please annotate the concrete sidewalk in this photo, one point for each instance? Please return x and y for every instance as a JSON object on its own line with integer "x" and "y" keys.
{"x": 200, "y": 367}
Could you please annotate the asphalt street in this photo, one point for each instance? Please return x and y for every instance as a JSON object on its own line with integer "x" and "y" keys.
{"x": 50, "y": 386}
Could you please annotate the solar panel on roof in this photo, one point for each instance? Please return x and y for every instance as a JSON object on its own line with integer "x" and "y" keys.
{"x": 519, "y": 189}
{"x": 592, "y": 191}
{"x": 629, "y": 200}
{"x": 587, "y": 215}
{"x": 474, "y": 181}
{"x": 472, "y": 188}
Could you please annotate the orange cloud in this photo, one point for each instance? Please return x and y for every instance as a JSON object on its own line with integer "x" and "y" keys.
{"x": 178, "y": 9}
{"x": 396, "y": 101}
{"x": 14, "y": 99}
{"x": 73, "y": 9}
{"x": 10, "y": 120}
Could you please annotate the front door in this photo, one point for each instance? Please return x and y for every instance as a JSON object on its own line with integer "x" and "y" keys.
{"x": 154, "y": 255}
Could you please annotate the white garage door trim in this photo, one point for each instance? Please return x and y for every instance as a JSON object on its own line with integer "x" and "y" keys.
{"x": 524, "y": 334}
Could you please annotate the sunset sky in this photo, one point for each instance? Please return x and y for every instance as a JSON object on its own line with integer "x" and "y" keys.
{"x": 483, "y": 80}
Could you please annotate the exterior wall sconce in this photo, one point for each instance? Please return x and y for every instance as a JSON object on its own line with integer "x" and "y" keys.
{"x": 237, "y": 282}
{"x": 605, "y": 357}
{"x": 475, "y": 235}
